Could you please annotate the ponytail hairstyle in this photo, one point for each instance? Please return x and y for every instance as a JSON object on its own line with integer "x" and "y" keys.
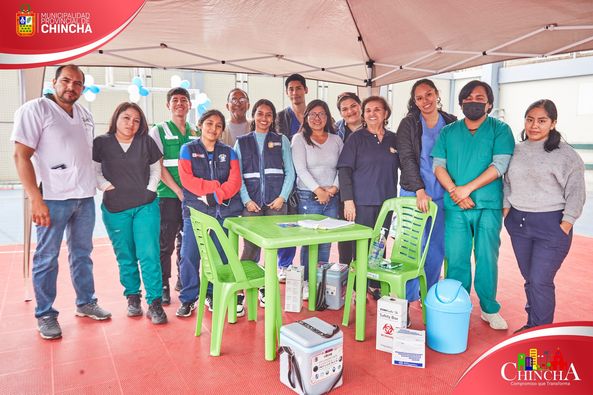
{"x": 306, "y": 129}
{"x": 412, "y": 107}
{"x": 264, "y": 102}
{"x": 553, "y": 140}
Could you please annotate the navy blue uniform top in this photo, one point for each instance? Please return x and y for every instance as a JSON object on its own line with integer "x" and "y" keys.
{"x": 371, "y": 166}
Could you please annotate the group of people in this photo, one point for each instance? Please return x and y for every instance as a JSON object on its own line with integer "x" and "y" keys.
{"x": 294, "y": 161}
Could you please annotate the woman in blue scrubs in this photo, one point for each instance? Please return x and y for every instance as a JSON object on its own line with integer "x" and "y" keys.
{"x": 415, "y": 137}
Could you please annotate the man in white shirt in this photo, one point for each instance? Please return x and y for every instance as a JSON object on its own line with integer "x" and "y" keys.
{"x": 53, "y": 143}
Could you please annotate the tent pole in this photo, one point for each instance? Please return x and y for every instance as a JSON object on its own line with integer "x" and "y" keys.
{"x": 31, "y": 85}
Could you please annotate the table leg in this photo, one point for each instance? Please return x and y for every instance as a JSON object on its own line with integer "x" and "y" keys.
{"x": 362, "y": 254}
{"x": 271, "y": 284}
{"x": 313, "y": 259}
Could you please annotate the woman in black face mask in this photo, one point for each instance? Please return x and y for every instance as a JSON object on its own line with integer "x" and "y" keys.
{"x": 469, "y": 157}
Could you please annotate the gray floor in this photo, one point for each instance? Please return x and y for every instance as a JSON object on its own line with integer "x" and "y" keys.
{"x": 11, "y": 215}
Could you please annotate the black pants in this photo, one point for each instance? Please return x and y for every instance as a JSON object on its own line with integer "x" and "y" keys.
{"x": 345, "y": 248}
{"x": 540, "y": 246}
{"x": 170, "y": 239}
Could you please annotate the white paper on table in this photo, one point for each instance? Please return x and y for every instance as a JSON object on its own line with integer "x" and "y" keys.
{"x": 326, "y": 223}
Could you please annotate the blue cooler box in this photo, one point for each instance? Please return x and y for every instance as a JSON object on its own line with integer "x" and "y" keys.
{"x": 448, "y": 309}
{"x": 336, "y": 278}
{"x": 319, "y": 359}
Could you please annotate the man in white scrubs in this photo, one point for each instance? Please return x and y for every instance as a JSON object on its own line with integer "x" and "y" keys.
{"x": 53, "y": 138}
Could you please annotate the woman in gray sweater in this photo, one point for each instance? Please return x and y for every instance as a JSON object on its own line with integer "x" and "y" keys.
{"x": 544, "y": 194}
{"x": 315, "y": 152}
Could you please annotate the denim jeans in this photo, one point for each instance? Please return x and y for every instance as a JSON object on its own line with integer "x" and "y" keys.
{"x": 189, "y": 266}
{"x": 308, "y": 205}
{"x": 77, "y": 218}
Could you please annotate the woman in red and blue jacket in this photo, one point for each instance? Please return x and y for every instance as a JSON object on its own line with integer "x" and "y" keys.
{"x": 211, "y": 178}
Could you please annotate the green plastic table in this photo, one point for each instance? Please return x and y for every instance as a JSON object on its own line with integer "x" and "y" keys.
{"x": 267, "y": 234}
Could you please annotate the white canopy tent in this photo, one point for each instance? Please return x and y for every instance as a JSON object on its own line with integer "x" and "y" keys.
{"x": 358, "y": 42}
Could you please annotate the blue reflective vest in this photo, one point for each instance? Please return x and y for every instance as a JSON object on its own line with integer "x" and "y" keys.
{"x": 217, "y": 169}
{"x": 263, "y": 179}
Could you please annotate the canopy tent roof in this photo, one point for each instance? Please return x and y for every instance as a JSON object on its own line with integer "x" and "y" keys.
{"x": 334, "y": 40}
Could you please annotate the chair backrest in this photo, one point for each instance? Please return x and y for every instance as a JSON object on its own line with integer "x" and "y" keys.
{"x": 204, "y": 227}
{"x": 409, "y": 229}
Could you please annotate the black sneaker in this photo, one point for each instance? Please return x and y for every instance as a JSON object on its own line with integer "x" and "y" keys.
{"x": 209, "y": 302}
{"x": 166, "y": 295}
{"x": 92, "y": 310}
{"x": 178, "y": 284}
{"x": 48, "y": 327}
{"x": 134, "y": 306}
{"x": 523, "y": 328}
{"x": 185, "y": 309}
{"x": 240, "y": 305}
{"x": 261, "y": 295}
{"x": 374, "y": 292}
{"x": 156, "y": 313}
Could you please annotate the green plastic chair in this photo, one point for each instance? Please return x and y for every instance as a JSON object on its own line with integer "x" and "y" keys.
{"x": 226, "y": 279}
{"x": 407, "y": 250}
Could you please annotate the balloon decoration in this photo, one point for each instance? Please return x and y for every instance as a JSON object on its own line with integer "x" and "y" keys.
{"x": 177, "y": 82}
{"x": 90, "y": 90}
{"x": 201, "y": 104}
{"x": 47, "y": 89}
{"x": 137, "y": 89}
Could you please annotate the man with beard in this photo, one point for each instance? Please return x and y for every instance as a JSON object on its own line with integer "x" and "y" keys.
{"x": 53, "y": 138}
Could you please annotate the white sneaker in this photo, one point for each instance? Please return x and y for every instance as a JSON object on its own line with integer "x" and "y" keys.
{"x": 282, "y": 274}
{"x": 240, "y": 305}
{"x": 305, "y": 290}
{"x": 495, "y": 320}
{"x": 261, "y": 295}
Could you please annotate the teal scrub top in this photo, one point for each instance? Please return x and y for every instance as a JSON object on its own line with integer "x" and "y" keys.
{"x": 469, "y": 155}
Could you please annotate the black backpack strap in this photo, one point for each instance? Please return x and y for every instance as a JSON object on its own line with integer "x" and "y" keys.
{"x": 335, "y": 329}
{"x": 293, "y": 368}
{"x": 320, "y": 304}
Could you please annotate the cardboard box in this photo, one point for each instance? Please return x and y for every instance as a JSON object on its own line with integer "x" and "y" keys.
{"x": 392, "y": 313}
{"x": 409, "y": 348}
{"x": 293, "y": 296}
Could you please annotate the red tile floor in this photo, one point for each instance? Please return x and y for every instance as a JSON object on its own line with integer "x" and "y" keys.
{"x": 132, "y": 356}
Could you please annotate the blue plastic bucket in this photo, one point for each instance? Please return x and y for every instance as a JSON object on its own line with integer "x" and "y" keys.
{"x": 448, "y": 309}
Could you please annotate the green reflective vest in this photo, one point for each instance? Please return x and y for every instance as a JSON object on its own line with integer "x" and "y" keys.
{"x": 172, "y": 140}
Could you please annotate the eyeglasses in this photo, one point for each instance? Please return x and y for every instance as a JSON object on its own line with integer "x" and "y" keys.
{"x": 318, "y": 115}
{"x": 236, "y": 101}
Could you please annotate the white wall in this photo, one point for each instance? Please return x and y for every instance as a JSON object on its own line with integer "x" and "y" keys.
{"x": 573, "y": 98}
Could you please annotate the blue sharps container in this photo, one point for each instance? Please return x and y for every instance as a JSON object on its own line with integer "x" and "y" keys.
{"x": 448, "y": 309}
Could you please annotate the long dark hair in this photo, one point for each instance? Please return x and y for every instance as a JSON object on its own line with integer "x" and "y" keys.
{"x": 412, "y": 107}
{"x": 553, "y": 140}
{"x": 264, "y": 102}
{"x": 142, "y": 129}
{"x": 210, "y": 113}
{"x": 306, "y": 129}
